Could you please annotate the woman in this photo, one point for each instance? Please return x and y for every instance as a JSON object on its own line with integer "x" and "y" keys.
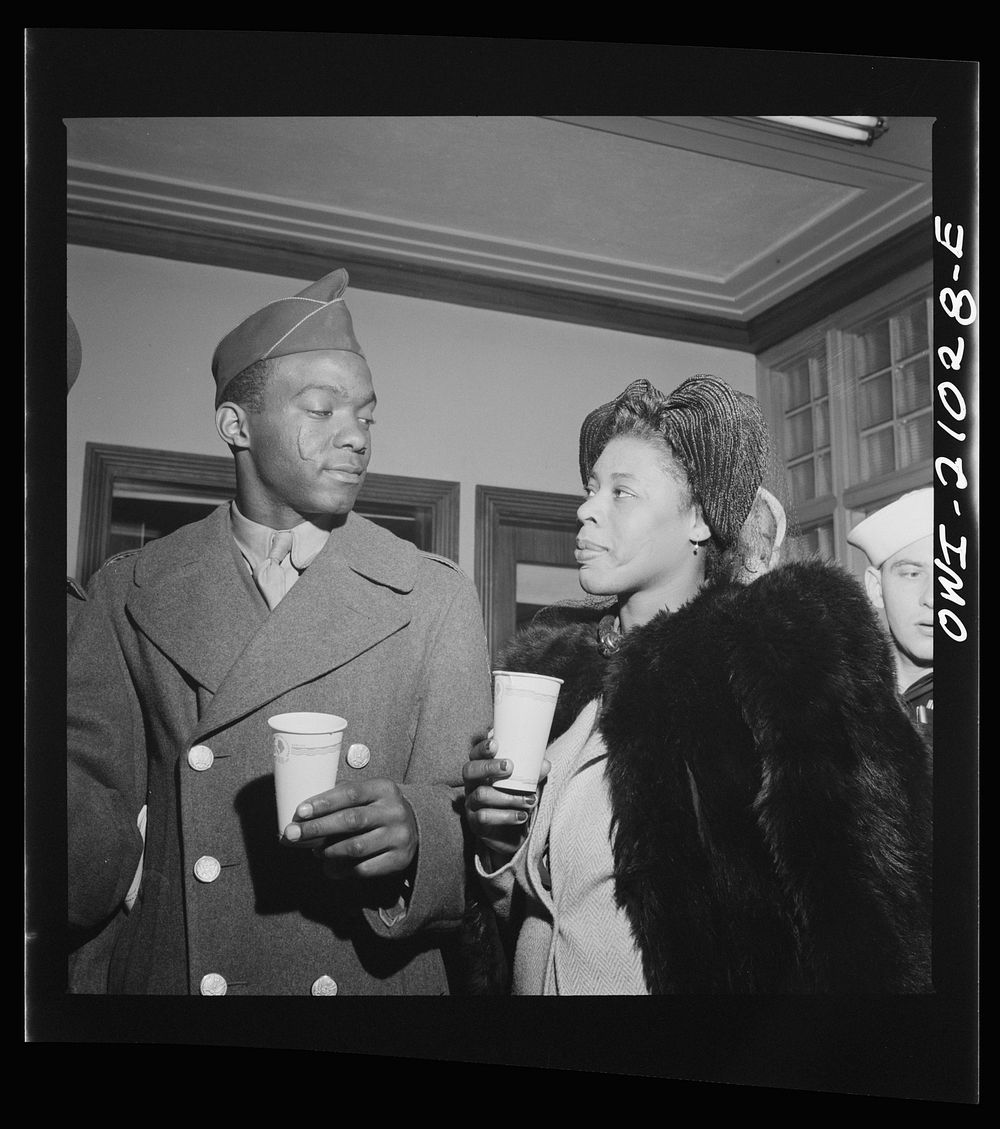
{"x": 735, "y": 800}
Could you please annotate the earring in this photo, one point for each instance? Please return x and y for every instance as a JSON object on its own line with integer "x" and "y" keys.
{"x": 695, "y": 543}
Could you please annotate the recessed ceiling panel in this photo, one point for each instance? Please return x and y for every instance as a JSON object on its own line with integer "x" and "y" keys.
{"x": 707, "y": 215}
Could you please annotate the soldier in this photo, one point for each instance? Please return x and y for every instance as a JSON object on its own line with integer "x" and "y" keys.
{"x": 898, "y": 542}
{"x": 281, "y": 601}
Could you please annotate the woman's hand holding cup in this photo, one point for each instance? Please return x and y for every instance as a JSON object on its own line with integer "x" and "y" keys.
{"x": 498, "y": 819}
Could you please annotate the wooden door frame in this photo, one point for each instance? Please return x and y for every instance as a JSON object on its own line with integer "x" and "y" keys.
{"x": 212, "y": 476}
{"x": 500, "y": 506}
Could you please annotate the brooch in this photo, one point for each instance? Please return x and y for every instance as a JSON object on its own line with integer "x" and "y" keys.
{"x": 608, "y": 636}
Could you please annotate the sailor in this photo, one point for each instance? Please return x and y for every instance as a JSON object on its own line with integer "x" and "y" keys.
{"x": 898, "y": 542}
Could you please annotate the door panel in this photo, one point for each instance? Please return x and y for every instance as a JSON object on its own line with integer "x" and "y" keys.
{"x": 526, "y": 528}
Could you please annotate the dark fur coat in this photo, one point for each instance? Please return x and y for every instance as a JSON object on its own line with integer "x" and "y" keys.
{"x": 771, "y": 801}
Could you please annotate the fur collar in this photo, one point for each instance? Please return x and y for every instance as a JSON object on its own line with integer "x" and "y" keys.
{"x": 770, "y": 798}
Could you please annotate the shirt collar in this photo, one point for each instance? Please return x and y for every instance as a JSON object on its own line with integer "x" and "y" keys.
{"x": 254, "y": 540}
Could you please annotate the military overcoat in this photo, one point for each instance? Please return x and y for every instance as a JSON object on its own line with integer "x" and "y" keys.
{"x": 175, "y": 664}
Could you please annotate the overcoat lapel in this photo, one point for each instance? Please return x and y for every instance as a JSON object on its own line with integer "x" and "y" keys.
{"x": 195, "y": 606}
{"x": 328, "y": 618}
{"x": 191, "y": 601}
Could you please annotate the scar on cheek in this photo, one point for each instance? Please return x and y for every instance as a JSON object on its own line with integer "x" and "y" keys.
{"x": 310, "y": 443}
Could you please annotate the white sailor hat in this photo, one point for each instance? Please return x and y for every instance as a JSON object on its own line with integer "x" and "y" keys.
{"x": 895, "y": 526}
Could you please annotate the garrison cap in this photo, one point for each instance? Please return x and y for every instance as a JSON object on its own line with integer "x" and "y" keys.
{"x": 883, "y": 533}
{"x": 316, "y": 318}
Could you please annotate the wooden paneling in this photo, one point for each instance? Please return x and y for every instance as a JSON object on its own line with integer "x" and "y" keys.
{"x": 170, "y": 472}
{"x": 511, "y": 526}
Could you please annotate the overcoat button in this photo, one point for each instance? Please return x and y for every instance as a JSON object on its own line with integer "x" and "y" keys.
{"x": 358, "y": 756}
{"x": 214, "y": 985}
{"x": 324, "y": 986}
{"x": 207, "y": 869}
{"x": 200, "y": 757}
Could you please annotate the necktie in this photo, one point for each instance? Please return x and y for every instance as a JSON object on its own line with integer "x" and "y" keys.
{"x": 270, "y": 576}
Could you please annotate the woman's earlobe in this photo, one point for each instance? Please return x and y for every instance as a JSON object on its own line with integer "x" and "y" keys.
{"x": 700, "y": 531}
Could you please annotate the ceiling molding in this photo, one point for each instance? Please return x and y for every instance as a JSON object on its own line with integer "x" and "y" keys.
{"x": 267, "y": 256}
{"x": 801, "y": 212}
{"x": 160, "y": 202}
{"x": 721, "y": 231}
{"x": 881, "y": 197}
{"x": 841, "y": 287}
{"x": 847, "y": 284}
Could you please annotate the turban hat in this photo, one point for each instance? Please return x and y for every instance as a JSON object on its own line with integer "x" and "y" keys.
{"x": 717, "y": 434}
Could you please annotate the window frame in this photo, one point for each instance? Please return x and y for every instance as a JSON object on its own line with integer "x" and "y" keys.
{"x": 212, "y": 478}
{"x": 500, "y": 510}
{"x": 851, "y": 495}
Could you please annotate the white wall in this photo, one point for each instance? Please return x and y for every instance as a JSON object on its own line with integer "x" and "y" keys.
{"x": 474, "y": 396}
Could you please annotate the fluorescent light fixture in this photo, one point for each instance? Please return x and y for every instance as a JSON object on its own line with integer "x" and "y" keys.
{"x": 846, "y": 128}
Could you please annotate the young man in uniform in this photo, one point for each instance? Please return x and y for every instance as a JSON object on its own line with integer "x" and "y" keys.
{"x": 898, "y": 542}
{"x": 281, "y": 601}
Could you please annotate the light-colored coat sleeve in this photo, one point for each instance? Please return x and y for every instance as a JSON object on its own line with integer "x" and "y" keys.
{"x": 455, "y": 711}
{"x": 498, "y": 885}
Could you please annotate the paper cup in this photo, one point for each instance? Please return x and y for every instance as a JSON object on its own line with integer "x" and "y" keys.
{"x": 523, "y": 705}
{"x": 306, "y": 757}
